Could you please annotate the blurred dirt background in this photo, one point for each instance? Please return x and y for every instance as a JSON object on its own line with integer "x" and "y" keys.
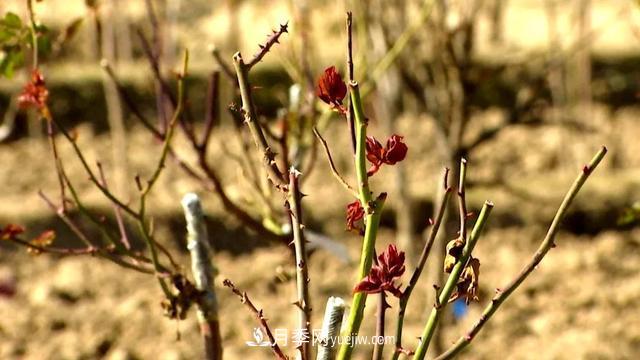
{"x": 581, "y": 303}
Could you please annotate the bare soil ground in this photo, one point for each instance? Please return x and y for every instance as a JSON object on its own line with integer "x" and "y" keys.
{"x": 581, "y": 302}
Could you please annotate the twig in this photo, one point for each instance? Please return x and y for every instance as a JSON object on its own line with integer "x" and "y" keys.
{"x": 142, "y": 223}
{"x": 462, "y": 203}
{"x": 350, "y": 75}
{"x": 334, "y": 170}
{"x": 186, "y": 119}
{"x": 131, "y": 104}
{"x": 302, "y": 268}
{"x": 546, "y": 245}
{"x": 76, "y": 230}
{"x": 92, "y": 176}
{"x": 250, "y": 117}
{"x": 426, "y": 250}
{"x": 273, "y": 39}
{"x": 378, "y": 347}
{"x": 34, "y": 34}
{"x": 401, "y": 43}
{"x": 450, "y": 285}
{"x": 124, "y": 238}
{"x": 212, "y": 181}
{"x": 248, "y": 161}
{"x": 212, "y": 113}
{"x": 226, "y": 69}
{"x": 67, "y": 220}
{"x": 203, "y": 274}
{"x": 85, "y": 212}
{"x": 44, "y": 111}
{"x": 259, "y": 314}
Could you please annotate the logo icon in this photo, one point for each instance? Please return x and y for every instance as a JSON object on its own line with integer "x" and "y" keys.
{"x": 259, "y": 339}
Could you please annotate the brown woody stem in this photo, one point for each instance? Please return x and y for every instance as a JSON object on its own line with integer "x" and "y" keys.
{"x": 546, "y": 245}
{"x": 251, "y": 118}
{"x": 302, "y": 269}
{"x": 334, "y": 170}
{"x": 379, "y": 341}
{"x": 259, "y": 314}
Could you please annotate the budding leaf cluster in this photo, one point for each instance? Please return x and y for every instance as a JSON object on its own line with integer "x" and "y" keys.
{"x": 383, "y": 275}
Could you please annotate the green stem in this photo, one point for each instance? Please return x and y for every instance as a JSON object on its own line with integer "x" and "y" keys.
{"x": 546, "y": 245}
{"x": 361, "y": 146}
{"x": 143, "y": 224}
{"x": 373, "y": 209}
{"x": 366, "y": 259}
{"x": 34, "y": 33}
{"x": 404, "y": 300}
{"x": 450, "y": 285}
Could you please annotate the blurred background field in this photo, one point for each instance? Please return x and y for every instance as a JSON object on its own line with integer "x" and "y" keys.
{"x": 574, "y": 64}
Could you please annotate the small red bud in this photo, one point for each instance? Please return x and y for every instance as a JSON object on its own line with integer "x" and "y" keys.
{"x": 383, "y": 275}
{"x": 35, "y": 92}
{"x": 331, "y": 89}
{"x": 355, "y": 213}
{"x": 396, "y": 150}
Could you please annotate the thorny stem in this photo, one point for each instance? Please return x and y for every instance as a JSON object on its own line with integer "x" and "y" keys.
{"x": 251, "y": 118}
{"x": 334, "y": 170}
{"x": 302, "y": 269}
{"x": 373, "y": 210}
{"x": 546, "y": 245}
{"x": 450, "y": 285}
{"x": 211, "y": 182}
{"x": 404, "y": 300}
{"x": 259, "y": 314}
{"x": 273, "y": 39}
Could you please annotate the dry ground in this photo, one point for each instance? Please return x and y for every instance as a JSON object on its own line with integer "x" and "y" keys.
{"x": 582, "y": 302}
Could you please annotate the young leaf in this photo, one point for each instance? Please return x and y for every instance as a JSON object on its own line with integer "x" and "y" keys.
{"x": 11, "y": 21}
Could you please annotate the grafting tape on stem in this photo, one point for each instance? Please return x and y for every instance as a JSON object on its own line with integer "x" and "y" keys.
{"x": 198, "y": 245}
{"x": 203, "y": 274}
{"x": 333, "y": 315}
